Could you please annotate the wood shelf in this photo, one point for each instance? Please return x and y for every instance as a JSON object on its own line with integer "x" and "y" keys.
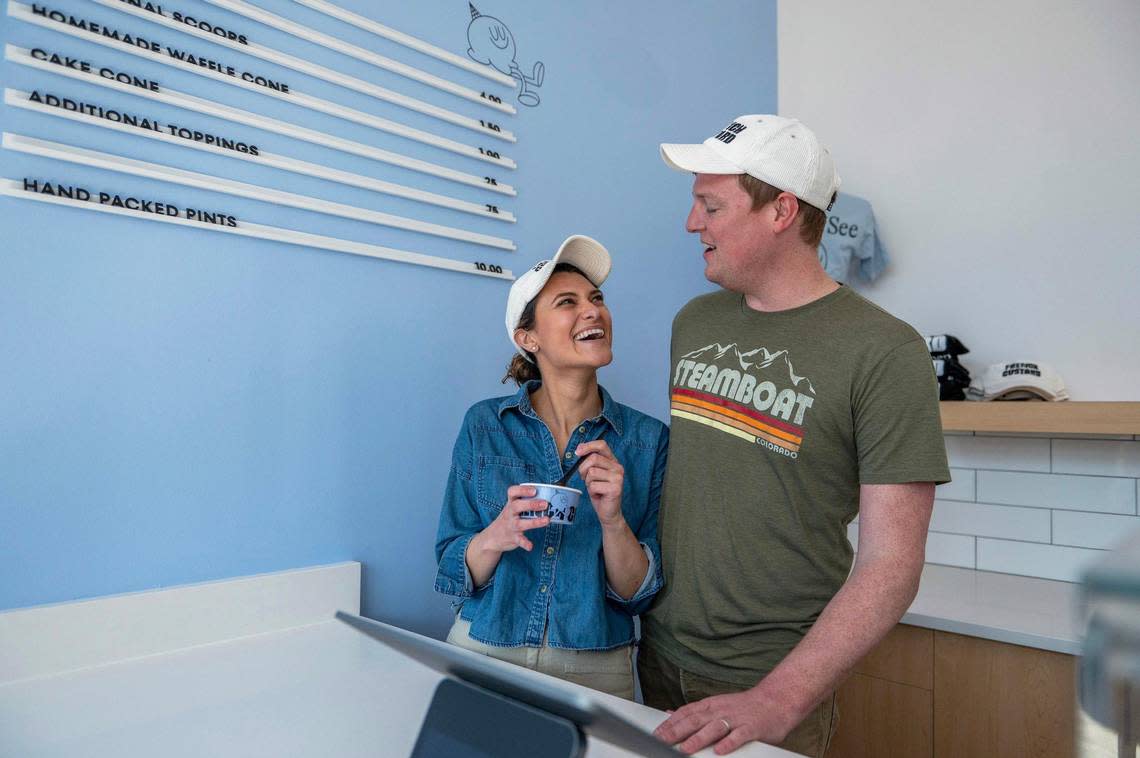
{"x": 1038, "y": 417}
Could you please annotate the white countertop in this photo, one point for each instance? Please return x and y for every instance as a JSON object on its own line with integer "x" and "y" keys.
{"x": 256, "y": 667}
{"x": 321, "y": 689}
{"x": 1020, "y": 610}
{"x": 253, "y": 666}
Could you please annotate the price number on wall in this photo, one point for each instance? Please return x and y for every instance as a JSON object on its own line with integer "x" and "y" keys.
{"x": 489, "y": 267}
{"x": 492, "y": 98}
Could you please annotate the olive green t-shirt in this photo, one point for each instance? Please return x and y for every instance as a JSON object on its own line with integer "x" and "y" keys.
{"x": 777, "y": 418}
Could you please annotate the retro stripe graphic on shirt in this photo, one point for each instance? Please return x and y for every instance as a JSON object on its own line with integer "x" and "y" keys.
{"x": 753, "y": 395}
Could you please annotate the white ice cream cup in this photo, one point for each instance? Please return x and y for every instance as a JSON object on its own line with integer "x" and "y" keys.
{"x": 563, "y": 502}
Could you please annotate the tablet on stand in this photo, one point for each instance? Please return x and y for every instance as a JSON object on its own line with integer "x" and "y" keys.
{"x": 485, "y": 708}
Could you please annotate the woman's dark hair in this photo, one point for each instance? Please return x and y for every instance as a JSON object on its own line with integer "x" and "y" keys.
{"x": 520, "y": 370}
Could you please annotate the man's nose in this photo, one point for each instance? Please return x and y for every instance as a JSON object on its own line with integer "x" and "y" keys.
{"x": 695, "y": 222}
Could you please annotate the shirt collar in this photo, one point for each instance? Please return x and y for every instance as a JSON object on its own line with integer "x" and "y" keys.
{"x": 521, "y": 401}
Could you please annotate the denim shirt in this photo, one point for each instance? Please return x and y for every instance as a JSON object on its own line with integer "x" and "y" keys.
{"x": 557, "y": 593}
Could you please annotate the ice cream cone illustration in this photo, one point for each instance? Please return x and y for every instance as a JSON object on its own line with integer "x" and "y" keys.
{"x": 491, "y": 42}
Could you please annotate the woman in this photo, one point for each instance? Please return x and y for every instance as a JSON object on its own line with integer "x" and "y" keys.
{"x": 555, "y": 598}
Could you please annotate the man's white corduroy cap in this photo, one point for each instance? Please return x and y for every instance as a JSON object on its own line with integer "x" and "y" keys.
{"x": 583, "y": 253}
{"x": 774, "y": 149}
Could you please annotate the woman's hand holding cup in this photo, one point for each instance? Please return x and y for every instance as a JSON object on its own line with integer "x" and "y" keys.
{"x": 507, "y": 531}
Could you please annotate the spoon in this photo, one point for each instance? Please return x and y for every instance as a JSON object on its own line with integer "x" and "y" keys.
{"x": 570, "y": 471}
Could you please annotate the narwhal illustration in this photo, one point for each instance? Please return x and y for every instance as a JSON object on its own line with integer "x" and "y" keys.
{"x": 491, "y": 42}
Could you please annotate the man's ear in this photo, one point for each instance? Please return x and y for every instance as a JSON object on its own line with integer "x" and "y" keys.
{"x": 787, "y": 208}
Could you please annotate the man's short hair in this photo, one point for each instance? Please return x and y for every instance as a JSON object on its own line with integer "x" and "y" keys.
{"x": 812, "y": 219}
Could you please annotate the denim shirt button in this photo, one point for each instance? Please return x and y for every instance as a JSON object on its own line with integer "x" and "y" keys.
{"x": 542, "y": 589}
{"x": 568, "y": 455}
{"x": 581, "y": 430}
{"x": 550, "y": 551}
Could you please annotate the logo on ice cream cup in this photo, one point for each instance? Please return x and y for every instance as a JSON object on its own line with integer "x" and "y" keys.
{"x": 563, "y": 502}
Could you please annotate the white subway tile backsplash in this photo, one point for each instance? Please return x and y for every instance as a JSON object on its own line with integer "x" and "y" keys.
{"x": 1041, "y": 505}
{"x": 1093, "y": 530}
{"x": 950, "y": 549}
{"x": 1081, "y": 493}
{"x": 1030, "y": 524}
{"x": 960, "y": 486}
{"x": 1031, "y": 559}
{"x": 1098, "y": 457}
{"x": 1005, "y": 453}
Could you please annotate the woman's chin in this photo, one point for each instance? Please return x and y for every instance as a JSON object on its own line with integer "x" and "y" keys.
{"x": 604, "y": 359}
{"x": 593, "y": 358}
{"x": 600, "y": 356}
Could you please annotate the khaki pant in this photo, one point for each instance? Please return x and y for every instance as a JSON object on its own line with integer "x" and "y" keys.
{"x": 668, "y": 687}
{"x": 609, "y": 671}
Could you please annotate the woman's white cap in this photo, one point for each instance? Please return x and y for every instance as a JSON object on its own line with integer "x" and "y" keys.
{"x": 582, "y": 252}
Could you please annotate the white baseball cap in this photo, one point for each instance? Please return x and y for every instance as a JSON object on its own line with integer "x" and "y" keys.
{"x": 583, "y": 253}
{"x": 774, "y": 149}
{"x": 1023, "y": 380}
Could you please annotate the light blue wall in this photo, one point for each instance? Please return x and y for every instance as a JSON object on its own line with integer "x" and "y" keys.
{"x": 178, "y": 405}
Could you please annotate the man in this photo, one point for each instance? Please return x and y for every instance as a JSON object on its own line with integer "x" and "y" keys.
{"x": 796, "y": 405}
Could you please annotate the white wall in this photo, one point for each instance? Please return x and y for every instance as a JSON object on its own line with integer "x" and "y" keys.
{"x": 998, "y": 144}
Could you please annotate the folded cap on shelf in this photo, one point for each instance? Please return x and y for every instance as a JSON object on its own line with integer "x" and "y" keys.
{"x": 1023, "y": 380}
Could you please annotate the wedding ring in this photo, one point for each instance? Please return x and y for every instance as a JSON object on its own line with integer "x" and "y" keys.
{"x": 726, "y": 724}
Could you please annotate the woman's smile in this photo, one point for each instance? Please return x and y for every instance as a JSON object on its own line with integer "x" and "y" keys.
{"x": 593, "y": 333}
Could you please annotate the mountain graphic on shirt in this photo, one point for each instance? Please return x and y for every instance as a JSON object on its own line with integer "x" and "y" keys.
{"x": 760, "y": 357}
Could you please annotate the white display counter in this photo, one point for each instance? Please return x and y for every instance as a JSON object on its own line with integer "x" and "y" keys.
{"x": 254, "y": 666}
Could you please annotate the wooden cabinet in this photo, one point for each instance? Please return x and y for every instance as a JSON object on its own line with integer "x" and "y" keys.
{"x": 934, "y": 694}
{"x": 996, "y": 699}
{"x": 886, "y": 707}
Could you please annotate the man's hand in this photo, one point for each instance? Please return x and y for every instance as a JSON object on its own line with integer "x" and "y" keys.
{"x": 727, "y": 722}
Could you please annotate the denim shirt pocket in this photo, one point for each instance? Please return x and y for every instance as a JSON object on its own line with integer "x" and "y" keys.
{"x": 494, "y": 474}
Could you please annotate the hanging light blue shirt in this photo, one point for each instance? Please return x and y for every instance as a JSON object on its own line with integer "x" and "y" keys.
{"x": 850, "y": 237}
{"x": 557, "y": 593}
